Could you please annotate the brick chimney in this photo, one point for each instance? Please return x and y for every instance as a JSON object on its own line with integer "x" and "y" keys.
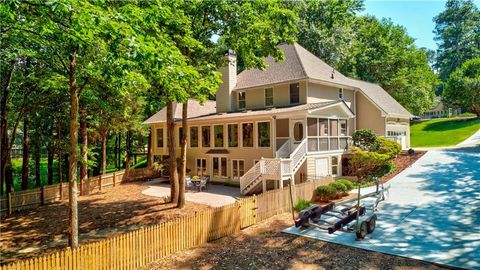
{"x": 224, "y": 94}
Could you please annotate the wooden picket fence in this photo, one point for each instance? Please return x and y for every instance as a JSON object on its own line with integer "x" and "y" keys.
{"x": 145, "y": 245}
{"x": 33, "y": 198}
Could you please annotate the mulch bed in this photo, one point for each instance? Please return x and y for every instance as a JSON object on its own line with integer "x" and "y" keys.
{"x": 264, "y": 246}
{"x": 110, "y": 212}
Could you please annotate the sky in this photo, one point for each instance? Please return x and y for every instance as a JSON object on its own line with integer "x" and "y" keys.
{"x": 415, "y": 15}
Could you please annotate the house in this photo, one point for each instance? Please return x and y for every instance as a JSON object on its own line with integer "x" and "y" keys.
{"x": 291, "y": 121}
{"x": 439, "y": 110}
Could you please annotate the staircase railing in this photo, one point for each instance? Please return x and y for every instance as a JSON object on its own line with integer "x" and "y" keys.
{"x": 289, "y": 166}
{"x": 252, "y": 174}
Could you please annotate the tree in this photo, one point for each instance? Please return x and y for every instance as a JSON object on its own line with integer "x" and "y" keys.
{"x": 327, "y": 28}
{"x": 457, "y": 31}
{"x": 463, "y": 87}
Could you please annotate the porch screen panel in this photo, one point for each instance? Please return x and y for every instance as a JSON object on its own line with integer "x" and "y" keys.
{"x": 312, "y": 126}
{"x": 247, "y": 134}
{"x": 282, "y": 128}
{"x": 206, "y": 136}
{"x": 333, "y": 127}
{"x": 312, "y": 144}
{"x": 323, "y": 127}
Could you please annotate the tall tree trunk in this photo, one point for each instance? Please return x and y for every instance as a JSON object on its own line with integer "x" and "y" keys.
{"x": 171, "y": 153}
{"x": 84, "y": 146}
{"x": 149, "y": 150}
{"x": 183, "y": 158}
{"x": 59, "y": 153}
{"x": 119, "y": 150}
{"x": 9, "y": 174}
{"x": 26, "y": 152}
{"x": 72, "y": 168}
{"x": 50, "y": 153}
{"x": 104, "y": 151}
{"x": 3, "y": 128}
{"x": 127, "y": 152}
{"x": 36, "y": 157}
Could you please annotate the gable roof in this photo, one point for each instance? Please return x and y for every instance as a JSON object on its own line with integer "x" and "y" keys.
{"x": 301, "y": 64}
{"x": 195, "y": 109}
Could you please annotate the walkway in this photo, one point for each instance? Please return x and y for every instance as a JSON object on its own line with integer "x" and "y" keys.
{"x": 215, "y": 196}
{"x": 472, "y": 140}
{"x": 431, "y": 214}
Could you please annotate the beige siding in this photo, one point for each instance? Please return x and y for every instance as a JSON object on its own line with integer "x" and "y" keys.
{"x": 322, "y": 93}
{"x": 255, "y": 98}
{"x": 311, "y": 166}
{"x": 369, "y": 116}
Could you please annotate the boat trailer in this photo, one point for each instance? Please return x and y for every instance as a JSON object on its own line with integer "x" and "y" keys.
{"x": 354, "y": 215}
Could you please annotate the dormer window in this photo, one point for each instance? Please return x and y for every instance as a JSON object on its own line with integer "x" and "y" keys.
{"x": 241, "y": 101}
{"x": 268, "y": 97}
{"x": 294, "y": 93}
{"x": 340, "y": 93}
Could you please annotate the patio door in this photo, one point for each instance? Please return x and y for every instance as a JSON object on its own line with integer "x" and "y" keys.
{"x": 219, "y": 165}
{"x": 201, "y": 167}
{"x": 238, "y": 168}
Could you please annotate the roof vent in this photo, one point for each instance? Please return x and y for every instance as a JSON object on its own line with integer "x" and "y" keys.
{"x": 333, "y": 74}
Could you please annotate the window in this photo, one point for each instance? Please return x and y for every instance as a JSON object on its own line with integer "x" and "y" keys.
{"x": 334, "y": 165}
{"x": 201, "y": 167}
{"x": 206, "y": 136}
{"x": 340, "y": 93}
{"x": 247, "y": 134}
{"x": 323, "y": 127}
{"x": 238, "y": 168}
{"x": 193, "y": 136}
{"x": 294, "y": 93}
{"x": 343, "y": 127}
{"x": 220, "y": 166}
{"x": 218, "y": 131}
{"x": 159, "y": 137}
{"x": 232, "y": 135}
{"x": 263, "y": 130}
{"x": 241, "y": 100}
{"x": 268, "y": 97}
{"x": 180, "y": 134}
{"x": 298, "y": 131}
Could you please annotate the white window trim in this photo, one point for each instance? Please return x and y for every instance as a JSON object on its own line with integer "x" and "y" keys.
{"x": 290, "y": 96}
{"x": 231, "y": 168}
{"x": 156, "y": 137}
{"x": 201, "y": 137}
{"x": 238, "y": 136}
{"x": 241, "y": 134}
{"x": 265, "y": 97}
{"x": 223, "y": 131}
{"x": 220, "y": 166}
{"x": 256, "y": 134}
{"x": 196, "y": 166}
{"x": 238, "y": 100}
{"x": 199, "y": 143}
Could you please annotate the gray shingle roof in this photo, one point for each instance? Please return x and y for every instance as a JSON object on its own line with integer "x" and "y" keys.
{"x": 195, "y": 109}
{"x": 301, "y": 64}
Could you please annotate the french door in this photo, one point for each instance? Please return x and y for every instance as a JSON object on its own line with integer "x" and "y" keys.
{"x": 201, "y": 167}
{"x": 219, "y": 166}
{"x": 238, "y": 168}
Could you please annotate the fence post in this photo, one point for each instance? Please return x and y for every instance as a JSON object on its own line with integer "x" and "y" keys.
{"x": 100, "y": 182}
{"x": 42, "y": 195}
{"x": 114, "y": 179}
{"x": 10, "y": 203}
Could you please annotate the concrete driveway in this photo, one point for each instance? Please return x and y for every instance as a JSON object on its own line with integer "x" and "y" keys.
{"x": 432, "y": 212}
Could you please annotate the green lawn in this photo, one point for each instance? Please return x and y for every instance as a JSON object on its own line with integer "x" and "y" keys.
{"x": 442, "y": 132}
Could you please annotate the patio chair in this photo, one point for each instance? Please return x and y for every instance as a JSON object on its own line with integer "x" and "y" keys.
{"x": 203, "y": 184}
{"x": 189, "y": 184}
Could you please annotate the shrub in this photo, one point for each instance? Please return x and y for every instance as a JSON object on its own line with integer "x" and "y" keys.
{"x": 368, "y": 164}
{"x": 301, "y": 204}
{"x": 388, "y": 147}
{"x": 366, "y": 139}
{"x": 326, "y": 193}
{"x": 340, "y": 187}
{"x": 349, "y": 184}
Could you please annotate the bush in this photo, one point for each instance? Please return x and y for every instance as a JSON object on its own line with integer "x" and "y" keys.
{"x": 349, "y": 184}
{"x": 301, "y": 204}
{"x": 326, "y": 193}
{"x": 340, "y": 187}
{"x": 366, "y": 139}
{"x": 368, "y": 164}
{"x": 388, "y": 147}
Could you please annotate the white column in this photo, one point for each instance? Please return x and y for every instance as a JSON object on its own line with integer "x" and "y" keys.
{"x": 264, "y": 185}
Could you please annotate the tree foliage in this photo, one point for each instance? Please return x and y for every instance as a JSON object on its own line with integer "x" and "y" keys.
{"x": 463, "y": 87}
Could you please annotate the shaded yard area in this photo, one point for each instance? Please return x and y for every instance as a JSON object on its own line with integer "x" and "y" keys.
{"x": 112, "y": 211}
{"x": 264, "y": 246}
{"x": 442, "y": 132}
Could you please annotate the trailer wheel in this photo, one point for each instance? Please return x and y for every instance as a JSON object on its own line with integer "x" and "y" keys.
{"x": 362, "y": 231}
{"x": 372, "y": 223}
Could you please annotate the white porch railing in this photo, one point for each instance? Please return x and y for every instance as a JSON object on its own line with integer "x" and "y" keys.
{"x": 250, "y": 176}
{"x": 290, "y": 166}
